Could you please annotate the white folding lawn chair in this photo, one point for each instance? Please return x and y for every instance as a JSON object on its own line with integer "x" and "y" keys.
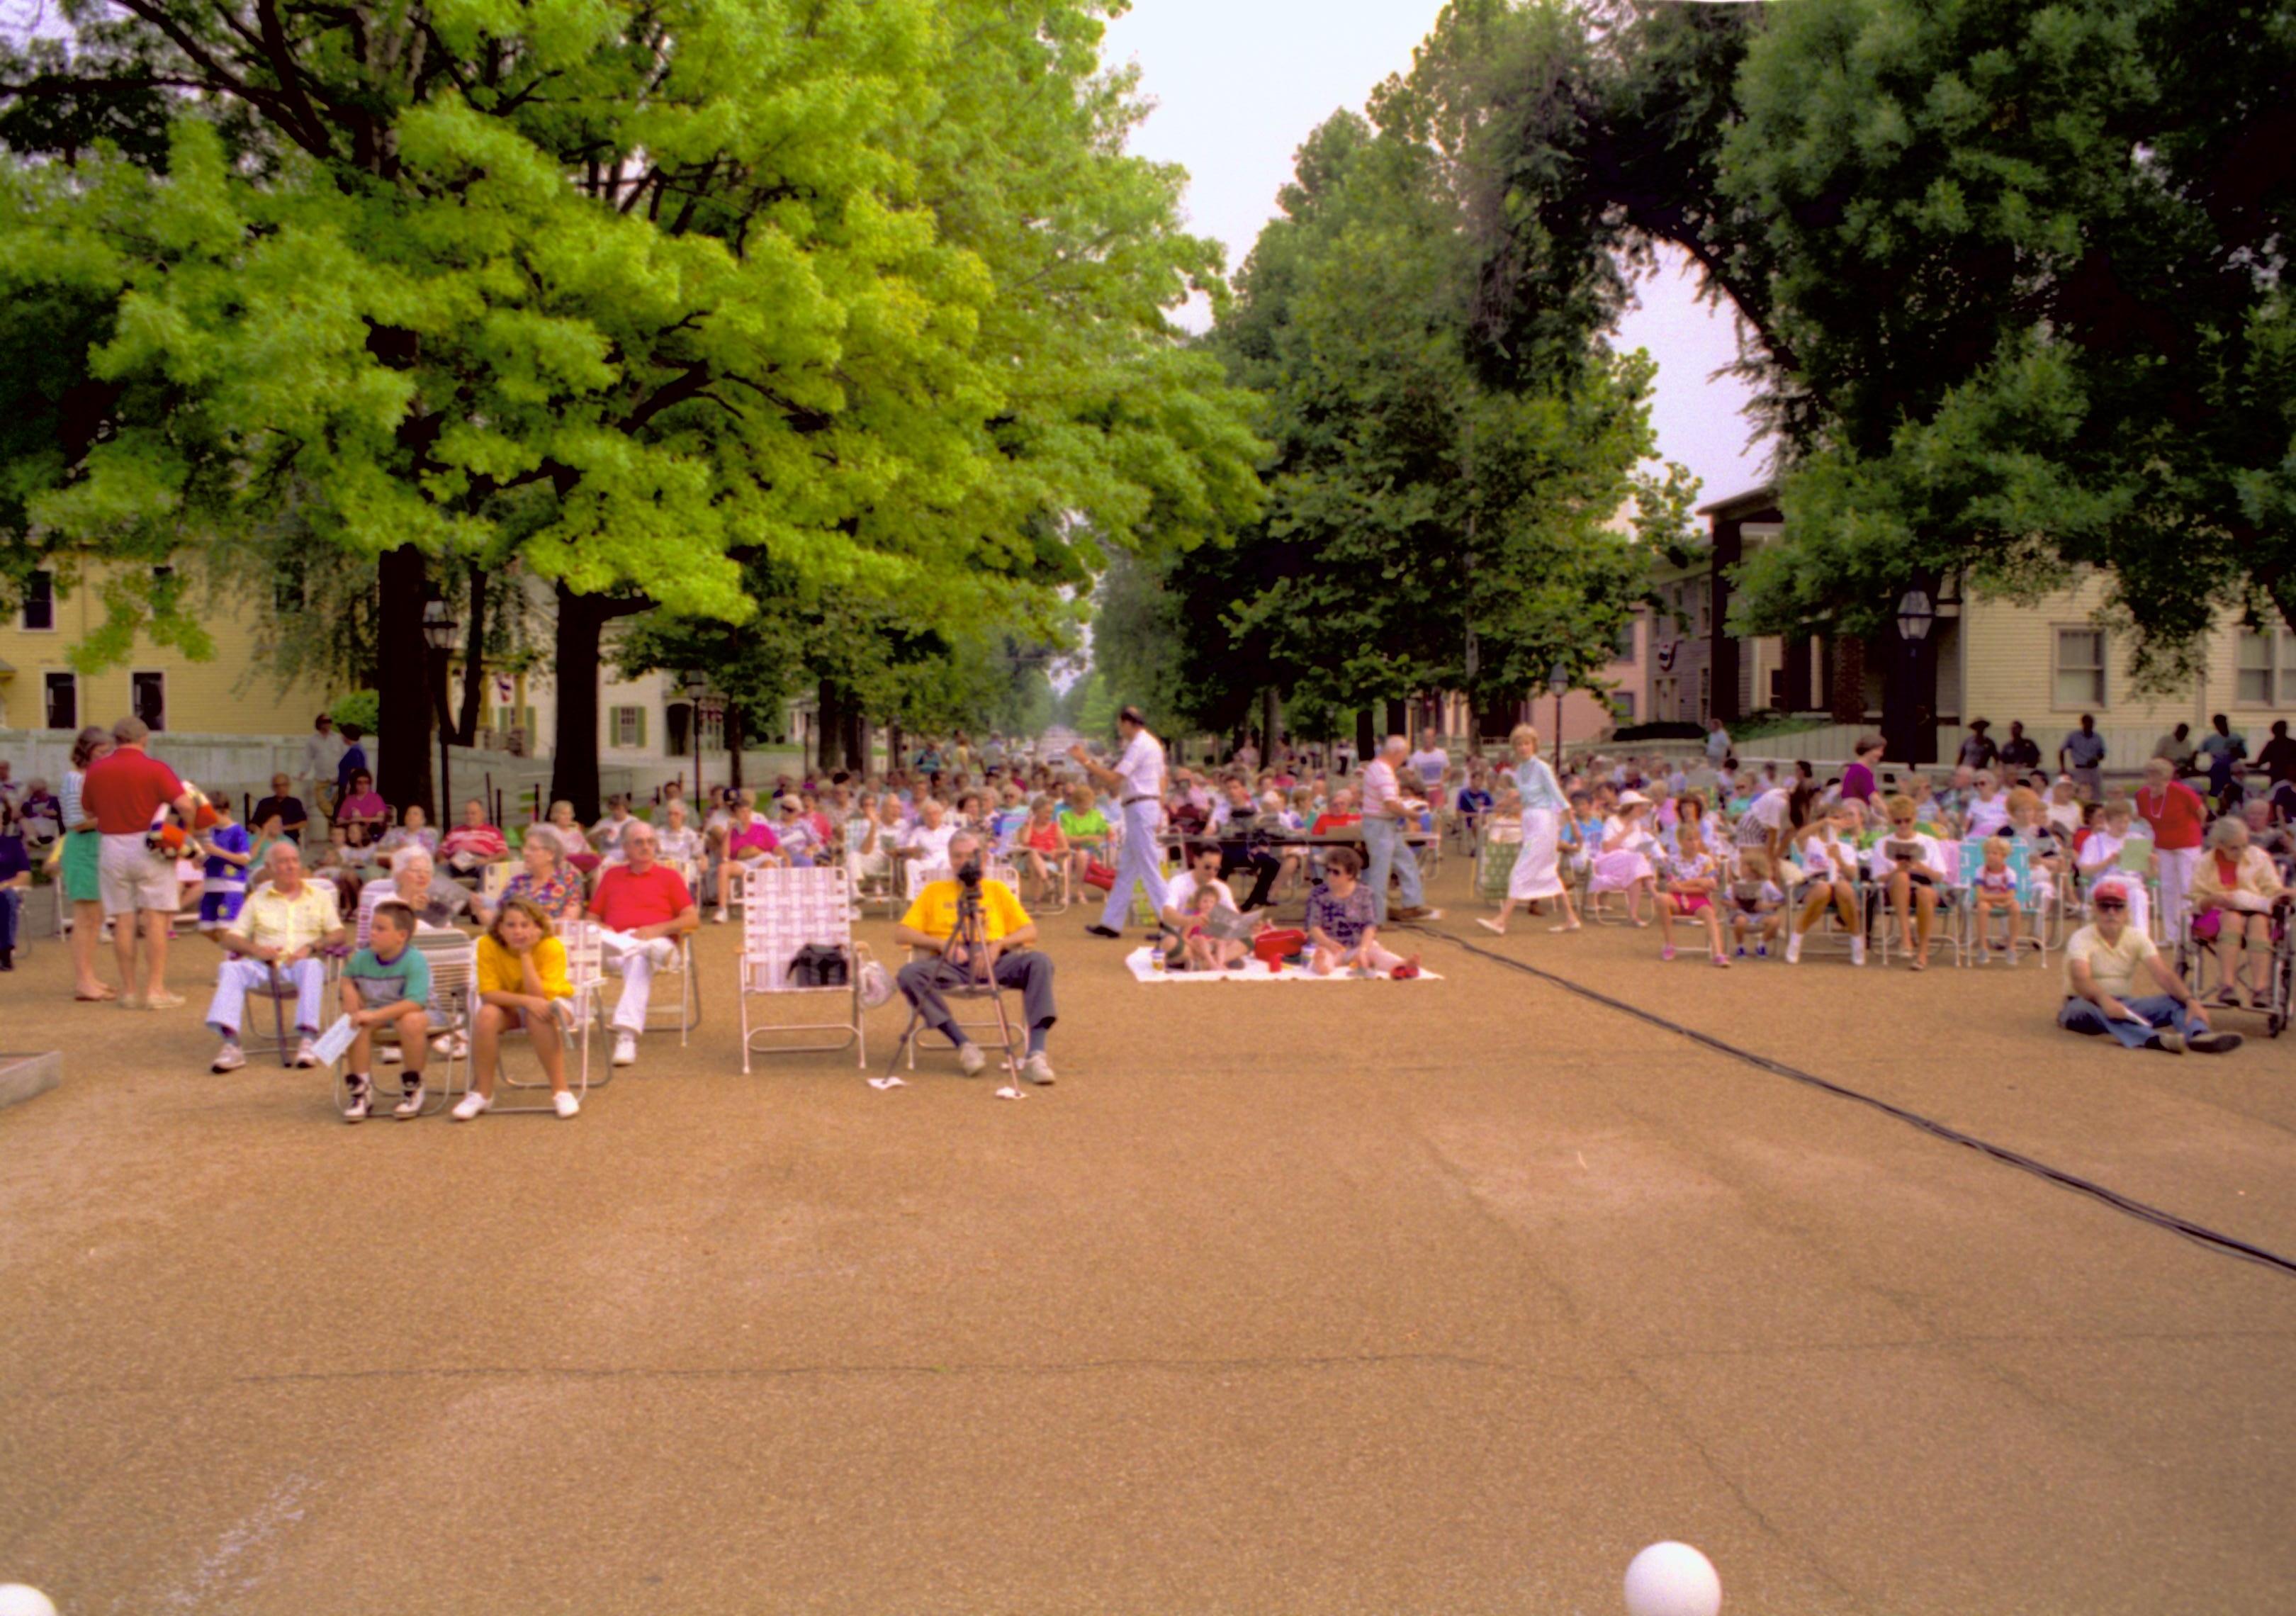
{"x": 586, "y": 971}
{"x": 785, "y": 912}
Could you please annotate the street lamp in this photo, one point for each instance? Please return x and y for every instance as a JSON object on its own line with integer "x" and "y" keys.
{"x": 438, "y": 632}
{"x": 1558, "y": 685}
{"x": 1915, "y": 615}
{"x": 695, "y": 684}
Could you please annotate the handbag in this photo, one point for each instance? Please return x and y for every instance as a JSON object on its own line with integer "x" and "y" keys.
{"x": 819, "y": 965}
{"x": 1098, "y": 874}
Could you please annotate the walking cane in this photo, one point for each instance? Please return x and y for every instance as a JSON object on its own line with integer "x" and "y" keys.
{"x": 278, "y": 1013}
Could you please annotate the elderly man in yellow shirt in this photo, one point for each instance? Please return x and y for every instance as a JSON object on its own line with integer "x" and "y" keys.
{"x": 275, "y": 942}
{"x": 930, "y": 926}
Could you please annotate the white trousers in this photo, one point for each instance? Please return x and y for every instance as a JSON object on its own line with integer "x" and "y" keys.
{"x": 631, "y": 958}
{"x": 1141, "y": 862}
{"x": 2176, "y": 870}
{"x": 237, "y": 978}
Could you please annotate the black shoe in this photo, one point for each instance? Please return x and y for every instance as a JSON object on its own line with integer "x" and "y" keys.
{"x": 1102, "y": 931}
{"x": 2213, "y": 1042}
{"x": 7, "y": 959}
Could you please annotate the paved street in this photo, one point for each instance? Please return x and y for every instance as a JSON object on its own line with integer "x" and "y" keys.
{"x": 1440, "y": 1297}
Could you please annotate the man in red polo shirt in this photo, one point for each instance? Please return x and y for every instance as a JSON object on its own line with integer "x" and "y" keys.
{"x": 644, "y": 908}
{"x": 125, "y": 793}
{"x": 2178, "y": 817}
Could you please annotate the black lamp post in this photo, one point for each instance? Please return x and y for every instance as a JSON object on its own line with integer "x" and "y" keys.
{"x": 1917, "y": 612}
{"x": 1558, "y": 685}
{"x": 696, "y": 684}
{"x": 439, "y": 631}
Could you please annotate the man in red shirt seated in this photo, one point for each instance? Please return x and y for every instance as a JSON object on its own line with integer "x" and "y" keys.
{"x": 644, "y": 907}
{"x": 1340, "y": 815}
{"x": 125, "y": 793}
{"x": 473, "y": 844}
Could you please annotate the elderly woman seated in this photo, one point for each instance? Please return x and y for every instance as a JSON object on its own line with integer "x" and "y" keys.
{"x": 2236, "y": 892}
{"x": 360, "y": 819}
{"x": 542, "y": 879}
{"x": 412, "y": 832}
{"x": 415, "y": 881}
{"x": 473, "y": 844}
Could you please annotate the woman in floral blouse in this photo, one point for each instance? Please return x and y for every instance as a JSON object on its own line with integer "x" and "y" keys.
{"x": 546, "y": 882}
{"x": 1342, "y": 926}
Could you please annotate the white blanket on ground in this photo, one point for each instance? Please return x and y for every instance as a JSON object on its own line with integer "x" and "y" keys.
{"x": 1142, "y": 963}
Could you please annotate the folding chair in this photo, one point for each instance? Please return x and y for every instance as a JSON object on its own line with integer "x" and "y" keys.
{"x": 685, "y": 1011}
{"x": 1496, "y": 852}
{"x": 453, "y": 961}
{"x": 494, "y": 880}
{"x": 784, "y": 912}
{"x": 1952, "y": 907}
{"x": 586, "y": 971}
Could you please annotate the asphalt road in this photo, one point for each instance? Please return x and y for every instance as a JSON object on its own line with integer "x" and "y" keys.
{"x": 1440, "y": 1297}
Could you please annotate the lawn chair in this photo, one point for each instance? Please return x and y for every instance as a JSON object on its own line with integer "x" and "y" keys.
{"x": 783, "y": 913}
{"x": 883, "y": 888}
{"x": 1496, "y": 852}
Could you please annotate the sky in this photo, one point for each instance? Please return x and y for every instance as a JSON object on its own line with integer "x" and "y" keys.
{"x": 1238, "y": 84}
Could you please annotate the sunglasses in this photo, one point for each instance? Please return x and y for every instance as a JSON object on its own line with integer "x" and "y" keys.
{"x": 2103, "y": 904}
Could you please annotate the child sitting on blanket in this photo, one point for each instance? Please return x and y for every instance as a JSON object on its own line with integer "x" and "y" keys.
{"x": 1342, "y": 926}
{"x": 1204, "y": 951}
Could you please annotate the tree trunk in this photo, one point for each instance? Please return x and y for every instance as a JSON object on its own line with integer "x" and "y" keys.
{"x": 828, "y": 724}
{"x": 1366, "y": 742}
{"x": 893, "y": 744}
{"x": 1849, "y": 679}
{"x": 735, "y": 741}
{"x": 1398, "y": 715}
{"x": 855, "y": 739}
{"x": 474, "y": 664}
{"x": 1271, "y": 723}
{"x": 402, "y": 682}
{"x": 574, "y": 753}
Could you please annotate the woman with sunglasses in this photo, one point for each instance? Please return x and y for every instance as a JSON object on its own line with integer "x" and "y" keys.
{"x": 1908, "y": 865}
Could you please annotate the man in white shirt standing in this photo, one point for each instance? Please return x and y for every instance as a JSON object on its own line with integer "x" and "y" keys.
{"x": 1430, "y": 762}
{"x": 1137, "y": 784}
{"x": 1384, "y": 826}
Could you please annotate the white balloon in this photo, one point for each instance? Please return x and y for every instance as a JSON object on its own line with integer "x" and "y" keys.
{"x": 1672, "y": 1580}
{"x": 18, "y": 1600}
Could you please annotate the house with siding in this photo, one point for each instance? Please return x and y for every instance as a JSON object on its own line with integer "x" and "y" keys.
{"x": 2045, "y": 663}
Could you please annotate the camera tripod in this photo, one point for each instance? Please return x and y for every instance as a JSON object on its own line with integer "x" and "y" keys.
{"x": 969, "y": 939}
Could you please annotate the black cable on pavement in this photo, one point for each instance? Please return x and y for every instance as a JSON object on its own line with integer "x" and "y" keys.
{"x": 2199, "y": 1233}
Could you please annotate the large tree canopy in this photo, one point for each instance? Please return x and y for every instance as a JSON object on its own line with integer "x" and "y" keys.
{"x": 621, "y": 292}
{"x": 2013, "y": 278}
{"x": 1426, "y": 530}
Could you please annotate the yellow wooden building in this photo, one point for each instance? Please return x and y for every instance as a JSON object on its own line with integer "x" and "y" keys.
{"x": 226, "y": 697}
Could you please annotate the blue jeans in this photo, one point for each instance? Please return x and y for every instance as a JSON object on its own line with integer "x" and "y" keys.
{"x": 2078, "y": 1015}
{"x": 1383, "y": 840}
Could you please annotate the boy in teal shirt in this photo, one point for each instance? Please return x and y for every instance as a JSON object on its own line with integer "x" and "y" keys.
{"x": 386, "y": 982}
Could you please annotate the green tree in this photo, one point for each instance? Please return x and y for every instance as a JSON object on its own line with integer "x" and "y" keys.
{"x": 627, "y": 292}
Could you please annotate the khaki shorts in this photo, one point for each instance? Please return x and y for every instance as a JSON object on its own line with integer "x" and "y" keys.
{"x": 132, "y": 877}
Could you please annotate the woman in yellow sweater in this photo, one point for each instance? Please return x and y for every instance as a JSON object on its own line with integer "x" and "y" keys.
{"x": 522, "y": 984}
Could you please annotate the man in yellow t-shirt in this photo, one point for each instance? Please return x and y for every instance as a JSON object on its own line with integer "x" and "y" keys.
{"x": 929, "y": 927}
{"x": 2107, "y": 962}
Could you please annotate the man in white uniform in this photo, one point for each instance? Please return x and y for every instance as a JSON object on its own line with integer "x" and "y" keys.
{"x": 1137, "y": 784}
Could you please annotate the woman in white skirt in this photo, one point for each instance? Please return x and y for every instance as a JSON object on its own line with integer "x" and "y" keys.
{"x": 1537, "y": 874}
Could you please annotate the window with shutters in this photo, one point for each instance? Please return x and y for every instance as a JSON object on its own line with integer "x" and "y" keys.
{"x": 62, "y": 692}
{"x": 629, "y": 729}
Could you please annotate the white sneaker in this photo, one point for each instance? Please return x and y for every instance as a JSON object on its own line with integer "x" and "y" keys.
{"x": 661, "y": 951}
{"x": 718, "y": 919}
{"x": 1491, "y": 926}
{"x": 970, "y": 1060}
{"x": 1037, "y": 1069}
{"x": 469, "y": 1105}
{"x": 361, "y": 1103}
{"x": 306, "y": 1054}
{"x": 1793, "y": 947}
{"x": 1857, "y": 948}
{"x": 625, "y": 1049}
{"x": 410, "y": 1104}
{"x": 564, "y": 1102}
{"x": 229, "y": 1058}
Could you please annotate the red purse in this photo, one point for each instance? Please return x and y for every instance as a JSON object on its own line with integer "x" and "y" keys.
{"x": 1098, "y": 874}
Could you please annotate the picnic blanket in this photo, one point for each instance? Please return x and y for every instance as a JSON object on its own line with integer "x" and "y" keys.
{"x": 1142, "y": 963}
